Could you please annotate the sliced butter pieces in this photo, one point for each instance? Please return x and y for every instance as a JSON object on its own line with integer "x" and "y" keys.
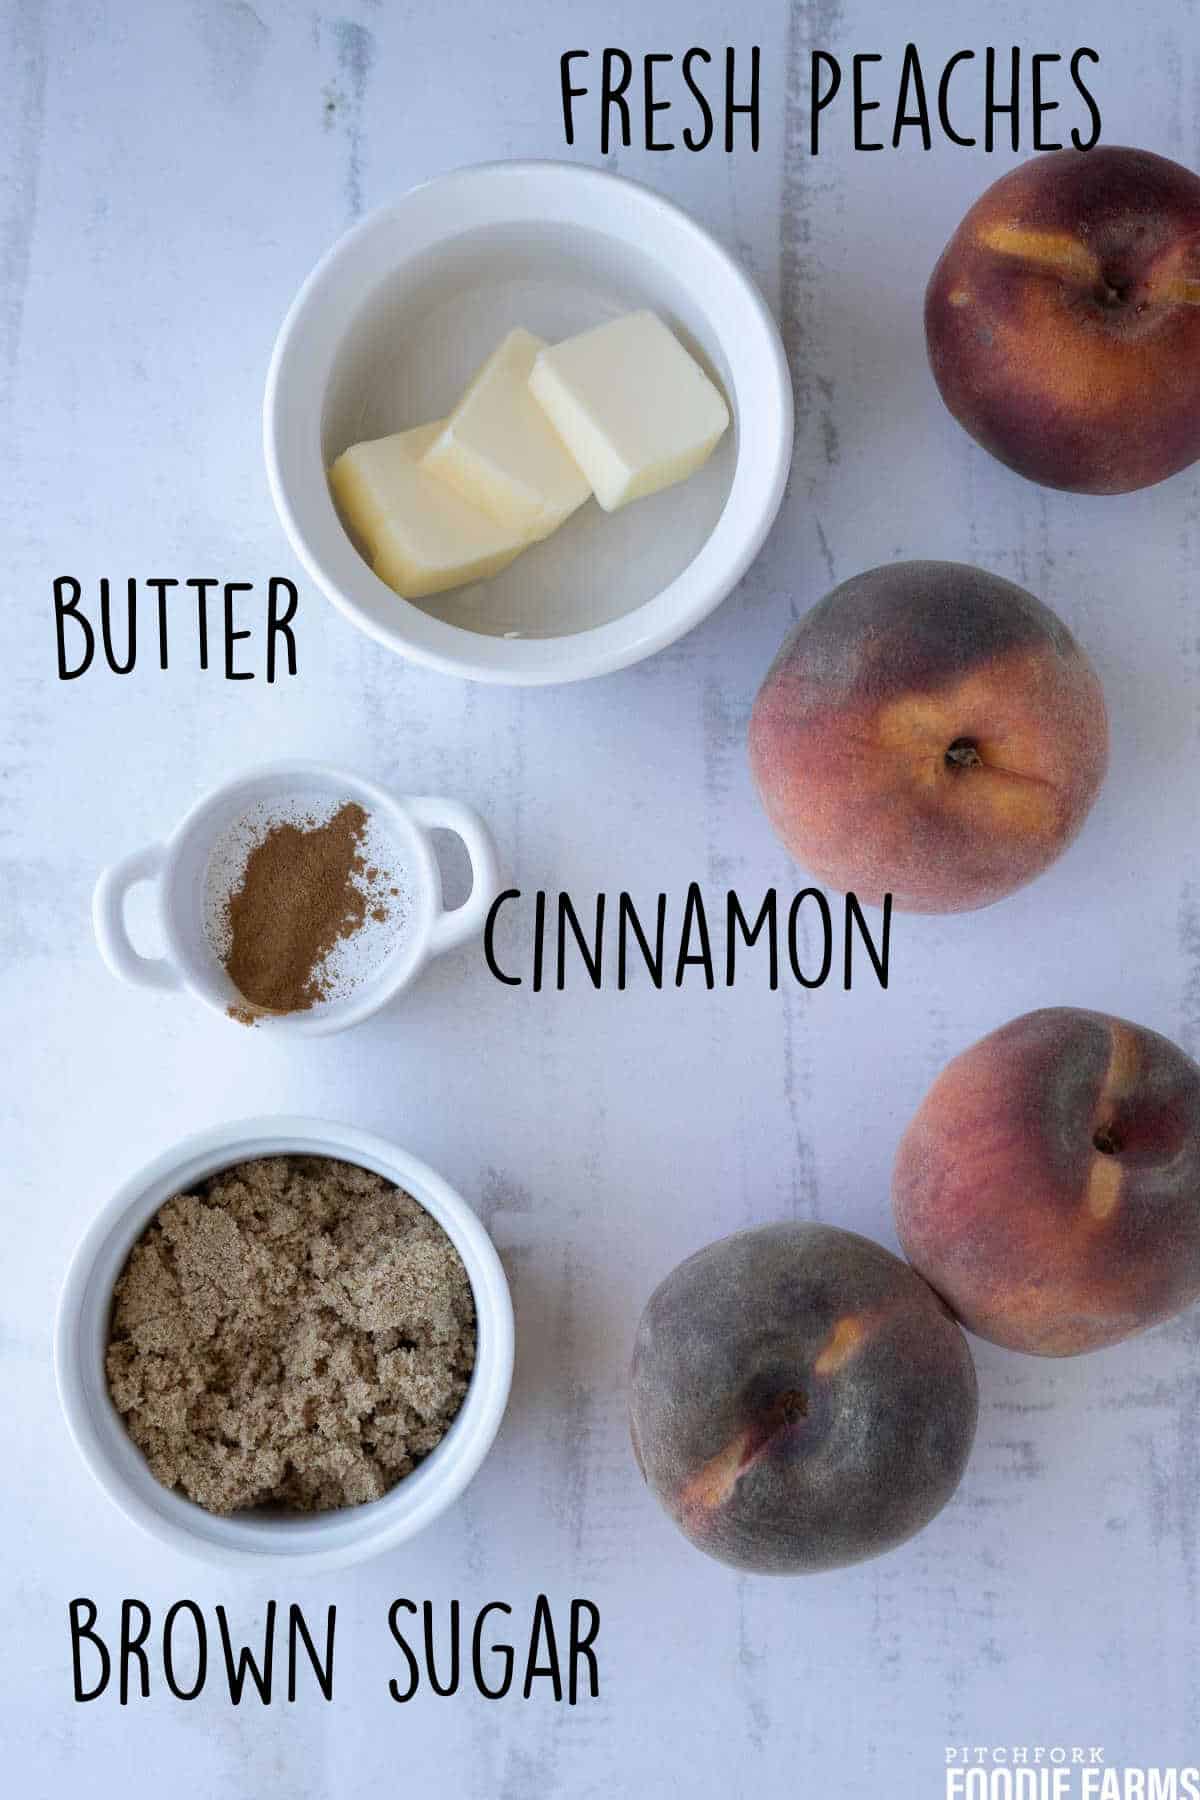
{"x": 500, "y": 452}
{"x": 621, "y": 411}
{"x": 636, "y": 411}
{"x": 421, "y": 535}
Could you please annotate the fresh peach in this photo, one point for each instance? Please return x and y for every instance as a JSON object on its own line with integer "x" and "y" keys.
{"x": 930, "y": 731}
{"x": 1063, "y": 320}
{"x": 800, "y": 1399}
{"x": 1049, "y": 1185}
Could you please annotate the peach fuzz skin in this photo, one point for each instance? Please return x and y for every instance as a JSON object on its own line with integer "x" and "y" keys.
{"x": 799, "y": 1399}
{"x": 930, "y": 731}
{"x": 1049, "y": 1185}
{"x": 1063, "y": 320}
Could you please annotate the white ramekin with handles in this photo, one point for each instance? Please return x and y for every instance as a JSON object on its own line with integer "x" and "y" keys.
{"x": 177, "y": 868}
{"x": 368, "y": 347}
{"x": 303, "y": 1543}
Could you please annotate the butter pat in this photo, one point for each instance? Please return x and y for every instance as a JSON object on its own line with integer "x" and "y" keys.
{"x": 422, "y": 536}
{"x": 635, "y": 410}
{"x": 499, "y": 451}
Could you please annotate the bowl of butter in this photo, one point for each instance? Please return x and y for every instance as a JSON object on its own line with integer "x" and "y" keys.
{"x": 529, "y": 424}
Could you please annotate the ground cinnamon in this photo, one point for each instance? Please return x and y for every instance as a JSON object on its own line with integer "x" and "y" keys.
{"x": 304, "y": 889}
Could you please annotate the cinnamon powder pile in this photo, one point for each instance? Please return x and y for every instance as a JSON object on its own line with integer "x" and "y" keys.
{"x": 306, "y": 887}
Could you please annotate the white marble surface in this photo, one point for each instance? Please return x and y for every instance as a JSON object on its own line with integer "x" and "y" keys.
{"x": 170, "y": 172}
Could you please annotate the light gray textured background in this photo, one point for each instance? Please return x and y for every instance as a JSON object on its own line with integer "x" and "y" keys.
{"x": 169, "y": 174}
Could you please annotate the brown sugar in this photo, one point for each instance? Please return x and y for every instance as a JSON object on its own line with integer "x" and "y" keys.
{"x": 304, "y": 889}
{"x": 296, "y": 1332}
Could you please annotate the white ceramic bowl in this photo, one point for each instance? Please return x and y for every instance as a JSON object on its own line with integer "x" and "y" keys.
{"x": 178, "y": 870}
{"x": 304, "y": 1543}
{"x": 392, "y": 323}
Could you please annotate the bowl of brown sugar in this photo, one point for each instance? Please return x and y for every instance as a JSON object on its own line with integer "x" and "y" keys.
{"x": 285, "y": 1341}
{"x": 298, "y": 897}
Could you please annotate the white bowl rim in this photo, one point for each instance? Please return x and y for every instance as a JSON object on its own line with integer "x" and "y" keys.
{"x": 320, "y": 1541}
{"x": 698, "y": 589}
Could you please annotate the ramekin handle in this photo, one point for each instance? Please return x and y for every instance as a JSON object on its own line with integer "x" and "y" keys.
{"x": 466, "y": 921}
{"x": 108, "y": 920}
